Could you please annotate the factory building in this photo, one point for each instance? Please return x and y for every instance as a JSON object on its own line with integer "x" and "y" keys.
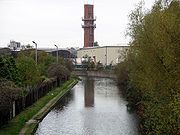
{"x": 106, "y": 54}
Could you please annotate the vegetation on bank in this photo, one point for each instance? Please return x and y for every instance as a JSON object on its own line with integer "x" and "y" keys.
{"x": 16, "y": 124}
{"x": 22, "y": 75}
{"x": 151, "y": 70}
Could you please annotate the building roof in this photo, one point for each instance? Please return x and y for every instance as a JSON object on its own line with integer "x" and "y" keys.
{"x": 96, "y": 47}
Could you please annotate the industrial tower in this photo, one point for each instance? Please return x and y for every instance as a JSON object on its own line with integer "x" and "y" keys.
{"x": 89, "y": 25}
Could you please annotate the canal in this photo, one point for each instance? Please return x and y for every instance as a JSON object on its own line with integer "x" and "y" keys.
{"x": 95, "y": 106}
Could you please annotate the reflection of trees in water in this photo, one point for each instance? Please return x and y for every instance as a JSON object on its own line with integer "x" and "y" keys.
{"x": 89, "y": 92}
{"x": 64, "y": 102}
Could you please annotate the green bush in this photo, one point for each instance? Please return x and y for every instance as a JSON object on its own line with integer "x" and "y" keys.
{"x": 9, "y": 70}
{"x": 8, "y": 93}
{"x": 153, "y": 68}
{"x": 28, "y": 70}
{"x": 58, "y": 70}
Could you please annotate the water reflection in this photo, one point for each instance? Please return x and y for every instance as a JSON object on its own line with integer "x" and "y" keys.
{"x": 94, "y": 107}
{"x": 62, "y": 104}
{"x": 89, "y": 92}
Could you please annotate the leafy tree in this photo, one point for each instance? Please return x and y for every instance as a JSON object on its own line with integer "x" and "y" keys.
{"x": 28, "y": 70}
{"x": 46, "y": 61}
{"x": 96, "y": 43}
{"x": 8, "y": 93}
{"x": 58, "y": 70}
{"x": 121, "y": 71}
{"x": 41, "y": 57}
{"x": 27, "y": 53}
{"x": 9, "y": 70}
{"x": 154, "y": 66}
{"x": 68, "y": 64}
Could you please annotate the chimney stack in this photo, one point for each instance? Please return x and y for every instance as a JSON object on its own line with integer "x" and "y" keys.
{"x": 89, "y": 25}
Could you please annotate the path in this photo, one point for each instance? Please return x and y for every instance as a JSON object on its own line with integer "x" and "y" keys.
{"x": 33, "y": 120}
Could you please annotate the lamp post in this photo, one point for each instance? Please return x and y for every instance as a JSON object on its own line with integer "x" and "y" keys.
{"x": 106, "y": 55}
{"x": 36, "y": 50}
{"x": 56, "y": 52}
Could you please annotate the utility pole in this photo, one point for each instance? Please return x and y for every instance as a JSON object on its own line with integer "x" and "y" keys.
{"x": 36, "y": 51}
{"x": 56, "y": 52}
{"x": 106, "y": 55}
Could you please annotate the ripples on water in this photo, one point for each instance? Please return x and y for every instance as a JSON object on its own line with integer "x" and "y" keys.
{"x": 95, "y": 106}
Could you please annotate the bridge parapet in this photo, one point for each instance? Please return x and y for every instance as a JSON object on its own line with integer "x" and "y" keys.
{"x": 95, "y": 74}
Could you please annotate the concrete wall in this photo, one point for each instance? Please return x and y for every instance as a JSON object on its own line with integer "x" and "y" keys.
{"x": 113, "y": 53}
{"x": 95, "y": 74}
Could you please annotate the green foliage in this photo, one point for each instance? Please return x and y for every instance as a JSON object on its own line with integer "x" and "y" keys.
{"x": 28, "y": 70}
{"x": 27, "y": 53}
{"x": 9, "y": 70}
{"x": 17, "y": 123}
{"x": 153, "y": 66}
{"x": 91, "y": 65}
{"x": 58, "y": 70}
{"x": 96, "y": 43}
{"x": 44, "y": 61}
{"x": 99, "y": 66}
{"x": 8, "y": 93}
{"x": 69, "y": 64}
{"x": 121, "y": 71}
{"x": 41, "y": 57}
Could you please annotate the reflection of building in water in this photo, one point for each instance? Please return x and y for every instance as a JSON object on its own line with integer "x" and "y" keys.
{"x": 89, "y": 93}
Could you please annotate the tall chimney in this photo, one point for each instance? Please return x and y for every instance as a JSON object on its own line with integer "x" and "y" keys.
{"x": 89, "y": 25}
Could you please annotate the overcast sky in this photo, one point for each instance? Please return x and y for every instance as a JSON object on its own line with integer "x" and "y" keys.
{"x": 50, "y": 22}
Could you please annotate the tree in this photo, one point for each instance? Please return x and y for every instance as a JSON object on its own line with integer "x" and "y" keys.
{"x": 41, "y": 57}
{"x": 46, "y": 62}
{"x": 58, "y": 70}
{"x": 28, "y": 70}
{"x": 154, "y": 66}
{"x": 9, "y": 70}
{"x": 96, "y": 43}
{"x": 8, "y": 93}
{"x": 69, "y": 64}
{"x": 27, "y": 53}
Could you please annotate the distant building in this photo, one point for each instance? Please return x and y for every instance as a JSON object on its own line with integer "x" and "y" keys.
{"x": 106, "y": 54}
{"x": 16, "y": 46}
{"x": 61, "y": 52}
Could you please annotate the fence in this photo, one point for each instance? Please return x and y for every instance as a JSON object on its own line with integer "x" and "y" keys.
{"x": 26, "y": 101}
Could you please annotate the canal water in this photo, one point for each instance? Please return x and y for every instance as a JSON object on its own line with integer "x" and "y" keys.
{"x": 95, "y": 106}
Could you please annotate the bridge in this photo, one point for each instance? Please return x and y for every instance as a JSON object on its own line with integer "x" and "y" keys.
{"x": 95, "y": 74}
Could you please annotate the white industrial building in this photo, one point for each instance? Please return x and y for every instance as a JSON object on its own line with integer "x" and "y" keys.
{"x": 106, "y": 54}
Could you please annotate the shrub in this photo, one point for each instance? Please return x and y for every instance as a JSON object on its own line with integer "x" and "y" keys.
{"x": 153, "y": 68}
{"x": 28, "y": 70}
{"x": 9, "y": 70}
{"x": 58, "y": 70}
{"x": 8, "y": 93}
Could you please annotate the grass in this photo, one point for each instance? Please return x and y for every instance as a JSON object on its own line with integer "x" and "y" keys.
{"x": 16, "y": 124}
{"x": 31, "y": 129}
{"x": 65, "y": 89}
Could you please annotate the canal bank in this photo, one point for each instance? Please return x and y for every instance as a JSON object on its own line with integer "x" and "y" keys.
{"x": 16, "y": 124}
{"x": 32, "y": 124}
